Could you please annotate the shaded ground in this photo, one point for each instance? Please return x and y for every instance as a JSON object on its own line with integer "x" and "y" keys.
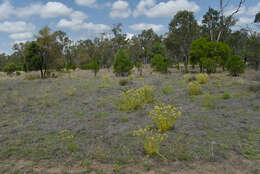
{"x": 71, "y": 125}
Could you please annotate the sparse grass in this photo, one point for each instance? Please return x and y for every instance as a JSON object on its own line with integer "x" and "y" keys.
{"x": 83, "y": 132}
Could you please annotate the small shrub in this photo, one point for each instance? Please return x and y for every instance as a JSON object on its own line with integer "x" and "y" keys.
{"x": 132, "y": 100}
{"x": 70, "y": 66}
{"x": 235, "y": 65}
{"x": 10, "y": 68}
{"x": 194, "y": 88}
{"x": 70, "y": 91}
{"x": 159, "y": 64}
{"x": 226, "y": 96}
{"x": 122, "y": 64}
{"x": 187, "y": 77}
{"x": 124, "y": 118}
{"x": 129, "y": 101}
{"x": 167, "y": 90}
{"x": 208, "y": 101}
{"x": 94, "y": 67}
{"x": 102, "y": 115}
{"x": 202, "y": 78}
{"x": 151, "y": 140}
{"x": 123, "y": 82}
{"x": 164, "y": 117}
{"x": 17, "y": 73}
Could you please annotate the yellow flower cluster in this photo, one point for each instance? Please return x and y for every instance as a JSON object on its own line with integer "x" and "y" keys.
{"x": 194, "y": 88}
{"x": 202, "y": 78}
{"x": 152, "y": 140}
{"x": 164, "y": 116}
{"x": 132, "y": 100}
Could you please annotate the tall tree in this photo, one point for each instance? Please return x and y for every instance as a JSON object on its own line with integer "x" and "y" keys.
{"x": 183, "y": 29}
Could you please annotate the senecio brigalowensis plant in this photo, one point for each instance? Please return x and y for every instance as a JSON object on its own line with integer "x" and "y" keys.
{"x": 152, "y": 140}
{"x": 131, "y": 99}
{"x": 164, "y": 116}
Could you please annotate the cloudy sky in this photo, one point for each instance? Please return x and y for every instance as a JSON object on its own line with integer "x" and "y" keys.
{"x": 82, "y": 19}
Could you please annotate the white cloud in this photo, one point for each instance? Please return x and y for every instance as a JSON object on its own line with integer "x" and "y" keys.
{"x": 245, "y": 20}
{"x": 6, "y": 9}
{"x": 48, "y": 10}
{"x": 253, "y": 10}
{"x": 88, "y": 3}
{"x": 144, "y": 26}
{"x": 16, "y": 27}
{"x": 19, "y": 30}
{"x": 21, "y": 36}
{"x": 81, "y": 25}
{"x": 164, "y": 9}
{"x": 142, "y": 7}
{"x": 120, "y": 9}
{"x": 129, "y": 35}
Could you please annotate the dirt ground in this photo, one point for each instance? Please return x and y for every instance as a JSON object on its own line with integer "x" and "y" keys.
{"x": 71, "y": 124}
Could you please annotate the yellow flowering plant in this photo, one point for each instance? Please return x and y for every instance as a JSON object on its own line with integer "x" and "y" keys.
{"x": 194, "y": 88}
{"x": 164, "y": 116}
{"x": 131, "y": 99}
{"x": 151, "y": 140}
{"x": 202, "y": 78}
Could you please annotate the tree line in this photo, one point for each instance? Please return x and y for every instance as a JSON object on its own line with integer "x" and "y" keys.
{"x": 209, "y": 45}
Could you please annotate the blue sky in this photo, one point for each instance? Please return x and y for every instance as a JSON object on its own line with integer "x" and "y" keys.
{"x": 83, "y": 19}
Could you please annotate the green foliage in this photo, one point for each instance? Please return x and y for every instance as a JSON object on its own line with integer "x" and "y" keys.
{"x": 160, "y": 64}
{"x": 94, "y": 66}
{"x": 208, "y": 64}
{"x": 17, "y": 73}
{"x": 226, "y": 96}
{"x": 70, "y": 66}
{"x": 257, "y": 18}
{"x": 208, "y": 101}
{"x": 32, "y": 57}
{"x": 122, "y": 63}
{"x": 209, "y": 54}
{"x": 194, "y": 88}
{"x": 10, "y": 68}
{"x": 235, "y": 65}
{"x": 167, "y": 90}
{"x": 123, "y": 82}
{"x": 164, "y": 116}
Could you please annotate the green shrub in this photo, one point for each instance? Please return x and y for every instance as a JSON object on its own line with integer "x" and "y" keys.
{"x": 123, "y": 82}
{"x": 167, "y": 90}
{"x": 208, "y": 101}
{"x": 226, "y": 96}
{"x": 122, "y": 63}
{"x": 94, "y": 67}
{"x": 194, "y": 88}
{"x": 235, "y": 65}
{"x": 202, "y": 78}
{"x": 10, "y": 68}
{"x": 17, "y": 73}
{"x": 159, "y": 64}
{"x": 70, "y": 66}
{"x": 208, "y": 64}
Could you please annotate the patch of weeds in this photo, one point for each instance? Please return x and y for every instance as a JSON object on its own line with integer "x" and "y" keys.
{"x": 86, "y": 85}
{"x": 46, "y": 101}
{"x": 208, "y": 101}
{"x": 117, "y": 168}
{"x": 131, "y": 77}
{"x": 72, "y": 147}
{"x": 251, "y": 152}
{"x": 151, "y": 140}
{"x": 87, "y": 164}
{"x": 102, "y": 115}
{"x": 124, "y": 118}
{"x": 147, "y": 165}
{"x": 70, "y": 92}
{"x": 103, "y": 85}
{"x": 81, "y": 113}
{"x": 167, "y": 90}
{"x": 123, "y": 82}
{"x": 226, "y": 96}
{"x": 255, "y": 107}
{"x": 132, "y": 100}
